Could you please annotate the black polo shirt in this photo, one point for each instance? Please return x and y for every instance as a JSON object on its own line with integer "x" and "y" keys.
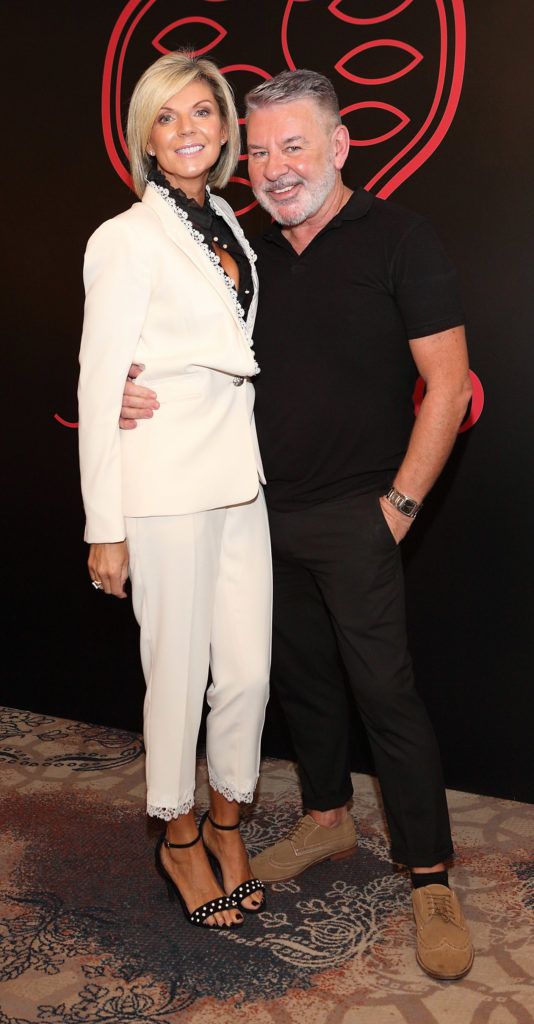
{"x": 334, "y": 405}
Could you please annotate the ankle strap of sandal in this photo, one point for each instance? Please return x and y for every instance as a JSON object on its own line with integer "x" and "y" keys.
{"x": 179, "y": 846}
{"x": 222, "y": 828}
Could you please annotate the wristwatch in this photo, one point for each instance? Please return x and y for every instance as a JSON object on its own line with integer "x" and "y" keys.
{"x": 408, "y": 506}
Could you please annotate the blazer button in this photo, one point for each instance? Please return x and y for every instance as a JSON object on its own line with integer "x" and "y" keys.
{"x": 238, "y": 381}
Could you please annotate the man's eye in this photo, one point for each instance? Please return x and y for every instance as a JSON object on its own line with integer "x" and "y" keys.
{"x": 293, "y": 149}
{"x": 257, "y": 153}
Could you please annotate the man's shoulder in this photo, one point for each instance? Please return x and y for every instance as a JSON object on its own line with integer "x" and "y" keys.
{"x": 392, "y": 216}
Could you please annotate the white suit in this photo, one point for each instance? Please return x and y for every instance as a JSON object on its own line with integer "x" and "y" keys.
{"x": 182, "y": 487}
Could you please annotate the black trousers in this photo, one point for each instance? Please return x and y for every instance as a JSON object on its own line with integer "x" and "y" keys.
{"x": 339, "y": 601}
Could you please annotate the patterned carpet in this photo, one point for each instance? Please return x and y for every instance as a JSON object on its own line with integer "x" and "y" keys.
{"x": 88, "y": 936}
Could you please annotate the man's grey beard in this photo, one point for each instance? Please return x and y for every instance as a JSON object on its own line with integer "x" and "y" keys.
{"x": 308, "y": 206}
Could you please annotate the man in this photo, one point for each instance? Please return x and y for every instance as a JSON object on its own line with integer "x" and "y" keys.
{"x": 356, "y": 298}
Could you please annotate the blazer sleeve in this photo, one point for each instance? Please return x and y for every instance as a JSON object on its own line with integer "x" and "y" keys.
{"x": 117, "y": 288}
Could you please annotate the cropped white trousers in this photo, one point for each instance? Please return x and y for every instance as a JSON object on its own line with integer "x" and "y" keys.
{"x": 202, "y": 595}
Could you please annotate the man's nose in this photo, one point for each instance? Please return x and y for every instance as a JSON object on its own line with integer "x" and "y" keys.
{"x": 275, "y": 166}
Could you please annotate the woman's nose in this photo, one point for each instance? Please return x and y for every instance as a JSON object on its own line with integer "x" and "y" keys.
{"x": 185, "y": 126}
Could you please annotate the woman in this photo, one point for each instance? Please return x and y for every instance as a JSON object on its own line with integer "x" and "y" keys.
{"x": 178, "y": 506}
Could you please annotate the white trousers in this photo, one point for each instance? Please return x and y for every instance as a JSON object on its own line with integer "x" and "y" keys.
{"x": 202, "y": 595}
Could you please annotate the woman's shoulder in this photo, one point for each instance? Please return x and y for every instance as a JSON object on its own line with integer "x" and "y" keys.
{"x": 131, "y": 226}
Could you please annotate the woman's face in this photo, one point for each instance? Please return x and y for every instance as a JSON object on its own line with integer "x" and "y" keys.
{"x": 187, "y": 136}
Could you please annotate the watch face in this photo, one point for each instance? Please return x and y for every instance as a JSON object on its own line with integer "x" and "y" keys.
{"x": 408, "y": 506}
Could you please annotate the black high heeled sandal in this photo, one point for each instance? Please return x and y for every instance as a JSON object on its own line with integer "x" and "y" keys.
{"x": 198, "y": 916}
{"x": 247, "y": 888}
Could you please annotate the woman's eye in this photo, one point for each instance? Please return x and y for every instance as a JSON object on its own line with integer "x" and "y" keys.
{"x": 164, "y": 118}
{"x": 203, "y": 112}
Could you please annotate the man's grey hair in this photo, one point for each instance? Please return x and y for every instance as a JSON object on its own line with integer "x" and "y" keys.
{"x": 296, "y": 85}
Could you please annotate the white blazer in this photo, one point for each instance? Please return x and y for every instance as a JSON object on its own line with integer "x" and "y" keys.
{"x": 154, "y": 297}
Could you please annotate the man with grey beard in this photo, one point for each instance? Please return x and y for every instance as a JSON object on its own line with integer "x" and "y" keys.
{"x": 357, "y": 298}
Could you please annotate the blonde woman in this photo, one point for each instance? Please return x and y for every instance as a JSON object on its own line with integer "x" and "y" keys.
{"x": 177, "y": 504}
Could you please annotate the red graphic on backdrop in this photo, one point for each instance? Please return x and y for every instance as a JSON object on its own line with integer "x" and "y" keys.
{"x": 398, "y": 94}
{"x": 432, "y": 126}
{"x": 419, "y": 134}
{"x": 402, "y": 120}
{"x": 65, "y": 423}
{"x": 335, "y": 8}
{"x": 394, "y": 44}
{"x": 221, "y": 32}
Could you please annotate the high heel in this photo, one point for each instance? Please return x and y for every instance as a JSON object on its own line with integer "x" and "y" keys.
{"x": 198, "y": 916}
{"x": 248, "y": 888}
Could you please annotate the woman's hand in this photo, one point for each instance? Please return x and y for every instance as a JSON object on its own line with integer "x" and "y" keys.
{"x": 108, "y": 563}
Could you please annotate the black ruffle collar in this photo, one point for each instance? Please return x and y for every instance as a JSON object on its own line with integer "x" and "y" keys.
{"x": 201, "y": 217}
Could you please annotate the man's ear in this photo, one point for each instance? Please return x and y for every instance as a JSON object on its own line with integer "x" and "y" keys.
{"x": 340, "y": 145}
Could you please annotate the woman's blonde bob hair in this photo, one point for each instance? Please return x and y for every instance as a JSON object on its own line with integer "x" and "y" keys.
{"x": 163, "y": 79}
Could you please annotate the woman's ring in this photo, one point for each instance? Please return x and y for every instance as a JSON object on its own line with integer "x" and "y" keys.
{"x": 97, "y": 584}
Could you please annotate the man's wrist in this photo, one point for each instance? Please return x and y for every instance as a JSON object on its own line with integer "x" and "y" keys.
{"x": 407, "y": 506}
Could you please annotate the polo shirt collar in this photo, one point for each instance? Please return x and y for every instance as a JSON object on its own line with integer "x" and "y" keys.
{"x": 356, "y": 207}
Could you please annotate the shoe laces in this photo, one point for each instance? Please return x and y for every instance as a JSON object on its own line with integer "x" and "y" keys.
{"x": 302, "y": 826}
{"x": 441, "y": 906}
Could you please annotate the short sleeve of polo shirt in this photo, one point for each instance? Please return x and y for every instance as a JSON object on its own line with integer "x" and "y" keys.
{"x": 424, "y": 283}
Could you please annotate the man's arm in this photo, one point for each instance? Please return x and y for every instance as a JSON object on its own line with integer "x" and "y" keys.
{"x": 443, "y": 364}
{"x": 138, "y": 403}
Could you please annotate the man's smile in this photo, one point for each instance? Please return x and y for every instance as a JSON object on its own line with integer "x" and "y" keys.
{"x": 285, "y": 192}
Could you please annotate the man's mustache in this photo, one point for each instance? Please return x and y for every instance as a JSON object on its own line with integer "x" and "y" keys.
{"x": 274, "y": 186}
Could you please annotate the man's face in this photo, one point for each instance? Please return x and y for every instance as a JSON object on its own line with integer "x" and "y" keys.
{"x": 291, "y": 159}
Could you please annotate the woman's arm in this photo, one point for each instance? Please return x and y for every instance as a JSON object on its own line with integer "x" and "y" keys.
{"x": 117, "y": 283}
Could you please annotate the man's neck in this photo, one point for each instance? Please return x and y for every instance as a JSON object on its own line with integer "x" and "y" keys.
{"x": 301, "y": 235}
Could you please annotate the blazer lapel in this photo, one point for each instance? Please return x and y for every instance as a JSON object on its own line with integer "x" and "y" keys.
{"x": 237, "y": 230}
{"x": 179, "y": 234}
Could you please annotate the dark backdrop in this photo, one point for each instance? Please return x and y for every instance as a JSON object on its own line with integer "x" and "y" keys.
{"x": 458, "y": 153}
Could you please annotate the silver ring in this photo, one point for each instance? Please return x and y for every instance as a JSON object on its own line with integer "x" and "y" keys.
{"x": 97, "y": 584}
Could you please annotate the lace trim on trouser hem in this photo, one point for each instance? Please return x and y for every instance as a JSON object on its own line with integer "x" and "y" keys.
{"x": 168, "y": 813}
{"x": 241, "y": 797}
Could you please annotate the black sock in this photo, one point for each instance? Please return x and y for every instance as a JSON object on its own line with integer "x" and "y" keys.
{"x": 420, "y": 878}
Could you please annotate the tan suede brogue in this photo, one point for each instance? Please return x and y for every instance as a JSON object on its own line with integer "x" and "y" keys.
{"x": 308, "y": 843}
{"x": 444, "y": 948}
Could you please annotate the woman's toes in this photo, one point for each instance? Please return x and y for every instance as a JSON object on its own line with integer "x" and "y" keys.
{"x": 252, "y": 902}
{"x": 233, "y": 917}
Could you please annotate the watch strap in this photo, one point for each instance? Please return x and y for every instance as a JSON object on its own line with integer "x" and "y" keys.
{"x": 408, "y": 506}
